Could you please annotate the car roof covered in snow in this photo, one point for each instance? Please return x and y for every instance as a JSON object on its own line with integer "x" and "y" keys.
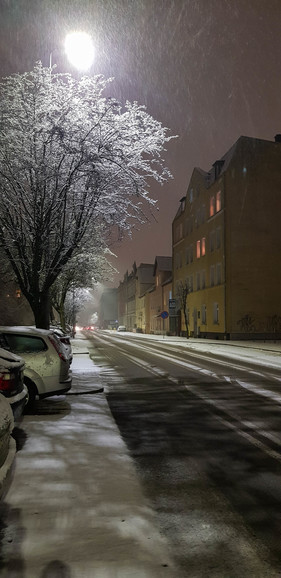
{"x": 26, "y": 329}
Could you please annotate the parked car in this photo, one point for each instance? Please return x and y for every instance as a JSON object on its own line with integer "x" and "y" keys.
{"x": 7, "y": 443}
{"x": 121, "y": 328}
{"x": 65, "y": 339}
{"x": 12, "y": 381}
{"x": 46, "y": 363}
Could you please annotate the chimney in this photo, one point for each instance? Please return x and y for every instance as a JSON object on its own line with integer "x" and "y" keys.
{"x": 218, "y": 167}
{"x": 277, "y": 138}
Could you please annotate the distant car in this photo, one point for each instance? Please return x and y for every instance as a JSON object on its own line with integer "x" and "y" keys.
{"x": 121, "y": 328}
{"x": 47, "y": 366}
{"x": 7, "y": 443}
{"x": 12, "y": 381}
{"x": 65, "y": 339}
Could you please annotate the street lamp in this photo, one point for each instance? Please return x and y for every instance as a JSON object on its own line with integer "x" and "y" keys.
{"x": 79, "y": 50}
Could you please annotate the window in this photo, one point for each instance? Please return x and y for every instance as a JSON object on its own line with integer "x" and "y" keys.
{"x": 212, "y": 275}
{"x": 216, "y": 313}
{"x": 24, "y": 343}
{"x": 191, "y": 283}
{"x": 198, "y": 281}
{"x": 203, "y": 246}
{"x": 203, "y": 279}
{"x": 191, "y": 254}
{"x": 212, "y": 206}
{"x": 187, "y": 255}
{"x": 218, "y": 273}
{"x": 198, "y": 249}
{"x": 218, "y": 201}
{"x": 212, "y": 241}
{"x": 218, "y": 238}
{"x": 204, "y": 315}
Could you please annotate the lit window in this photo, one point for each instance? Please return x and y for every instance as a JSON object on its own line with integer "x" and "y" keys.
{"x": 218, "y": 201}
{"x": 198, "y": 249}
{"x": 203, "y": 246}
{"x": 212, "y": 206}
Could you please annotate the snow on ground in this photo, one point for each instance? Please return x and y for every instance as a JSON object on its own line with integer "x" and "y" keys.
{"x": 75, "y": 506}
{"x": 259, "y": 352}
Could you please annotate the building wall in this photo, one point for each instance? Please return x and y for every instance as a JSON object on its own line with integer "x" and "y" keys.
{"x": 227, "y": 244}
{"x": 253, "y": 240}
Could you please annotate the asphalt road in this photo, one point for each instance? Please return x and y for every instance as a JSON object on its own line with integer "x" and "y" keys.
{"x": 204, "y": 431}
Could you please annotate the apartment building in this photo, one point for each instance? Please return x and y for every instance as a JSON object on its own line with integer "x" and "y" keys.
{"x": 143, "y": 294}
{"x": 227, "y": 244}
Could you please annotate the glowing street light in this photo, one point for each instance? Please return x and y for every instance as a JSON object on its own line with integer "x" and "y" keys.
{"x": 79, "y": 50}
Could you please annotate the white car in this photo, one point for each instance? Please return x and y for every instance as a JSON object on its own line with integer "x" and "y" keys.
{"x": 65, "y": 339}
{"x": 46, "y": 370}
{"x": 121, "y": 328}
{"x": 7, "y": 444}
{"x": 12, "y": 381}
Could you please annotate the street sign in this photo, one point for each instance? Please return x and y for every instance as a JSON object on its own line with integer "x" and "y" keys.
{"x": 164, "y": 314}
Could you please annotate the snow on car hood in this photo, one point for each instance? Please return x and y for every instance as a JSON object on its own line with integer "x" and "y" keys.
{"x": 9, "y": 360}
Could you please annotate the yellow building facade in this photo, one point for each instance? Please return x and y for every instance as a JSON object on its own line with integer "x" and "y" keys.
{"x": 227, "y": 244}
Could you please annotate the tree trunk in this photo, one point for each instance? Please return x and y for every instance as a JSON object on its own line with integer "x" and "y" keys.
{"x": 186, "y": 324}
{"x": 62, "y": 315}
{"x": 41, "y": 310}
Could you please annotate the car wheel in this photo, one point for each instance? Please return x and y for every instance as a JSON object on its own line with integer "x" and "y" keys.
{"x": 32, "y": 392}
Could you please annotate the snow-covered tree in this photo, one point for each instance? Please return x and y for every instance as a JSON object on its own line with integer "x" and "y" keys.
{"x": 70, "y": 158}
{"x": 82, "y": 271}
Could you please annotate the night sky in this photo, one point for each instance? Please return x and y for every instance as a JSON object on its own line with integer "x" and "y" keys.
{"x": 209, "y": 70}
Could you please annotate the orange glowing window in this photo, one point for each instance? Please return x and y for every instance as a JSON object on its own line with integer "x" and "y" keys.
{"x": 218, "y": 201}
{"x": 198, "y": 249}
{"x": 203, "y": 246}
{"x": 212, "y": 206}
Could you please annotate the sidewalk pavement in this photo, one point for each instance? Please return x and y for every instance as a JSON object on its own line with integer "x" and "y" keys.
{"x": 75, "y": 507}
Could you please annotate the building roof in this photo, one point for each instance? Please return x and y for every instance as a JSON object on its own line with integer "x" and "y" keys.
{"x": 163, "y": 264}
{"x": 145, "y": 272}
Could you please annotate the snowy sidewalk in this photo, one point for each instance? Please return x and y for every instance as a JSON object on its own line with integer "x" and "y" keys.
{"x": 75, "y": 508}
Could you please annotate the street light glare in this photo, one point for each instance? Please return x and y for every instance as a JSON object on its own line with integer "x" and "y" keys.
{"x": 80, "y": 50}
